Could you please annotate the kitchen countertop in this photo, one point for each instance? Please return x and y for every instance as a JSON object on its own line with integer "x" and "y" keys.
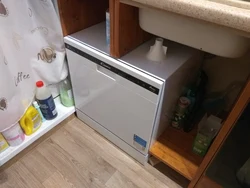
{"x": 230, "y": 13}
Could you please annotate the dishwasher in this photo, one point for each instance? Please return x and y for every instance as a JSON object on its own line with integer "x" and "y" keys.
{"x": 117, "y": 99}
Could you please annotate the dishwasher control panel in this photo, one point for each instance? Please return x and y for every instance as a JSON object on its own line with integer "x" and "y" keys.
{"x": 114, "y": 70}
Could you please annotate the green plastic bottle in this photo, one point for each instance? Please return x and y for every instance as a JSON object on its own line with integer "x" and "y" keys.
{"x": 66, "y": 94}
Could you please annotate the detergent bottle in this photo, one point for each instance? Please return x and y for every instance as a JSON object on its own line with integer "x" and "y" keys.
{"x": 45, "y": 101}
{"x": 31, "y": 121}
{"x": 66, "y": 94}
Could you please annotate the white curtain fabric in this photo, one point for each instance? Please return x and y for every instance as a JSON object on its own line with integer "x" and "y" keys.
{"x": 31, "y": 49}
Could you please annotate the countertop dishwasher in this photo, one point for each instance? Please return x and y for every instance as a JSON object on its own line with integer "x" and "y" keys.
{"x": 124, "y": 99}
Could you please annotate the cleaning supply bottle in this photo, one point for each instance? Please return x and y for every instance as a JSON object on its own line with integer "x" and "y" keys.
{"x": 66, "y": 95}
{"x": 45, "y": 101}
{"x": 31, "y": 121}
{"x": 3, "y": 143}
{"x": 37, "y": 107}
{"x": 14, "y": 135}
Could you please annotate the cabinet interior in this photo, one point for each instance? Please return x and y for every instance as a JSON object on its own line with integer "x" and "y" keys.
{"x": 233, "y": 154}
{"x": 125, "y": 32}
{"x": 174, "y": 147}
{"x": 88, "y": 17}
{"x": 76, "y": 15}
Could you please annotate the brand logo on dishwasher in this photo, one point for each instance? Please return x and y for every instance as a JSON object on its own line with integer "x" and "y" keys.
{"x": 152, "y": 89}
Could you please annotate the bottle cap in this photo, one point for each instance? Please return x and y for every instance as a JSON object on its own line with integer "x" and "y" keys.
{"x": 35, "y": 104}
{"x": 39, "y": 83}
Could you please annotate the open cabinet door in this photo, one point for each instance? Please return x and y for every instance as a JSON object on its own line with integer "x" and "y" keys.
{"x": 200, "y": 180}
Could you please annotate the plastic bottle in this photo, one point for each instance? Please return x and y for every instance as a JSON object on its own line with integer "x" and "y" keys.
{"x": 3, "y": 143}
{"x": 37, "y": 107}
{"x": 14, "y": 135}
{"x": 108, "y": 28}
{"x": 31, "y": 121}
{"x": 66, "y": 95}
{"x": 45, "y": 101}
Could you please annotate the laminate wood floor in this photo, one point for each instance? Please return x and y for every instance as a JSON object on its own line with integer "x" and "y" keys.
{"x": 75, "y": 156}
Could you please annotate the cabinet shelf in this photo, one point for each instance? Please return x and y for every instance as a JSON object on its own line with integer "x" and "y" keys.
{"x": 174, "y": 148}
{"x": 78, "y": 15}
{"x": 94, "y": 36}
{"x": 125, "y": 32}
{"x": 63, "y": 113}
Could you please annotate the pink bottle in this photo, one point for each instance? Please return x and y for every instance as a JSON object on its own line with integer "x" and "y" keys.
{"x": 14, "y": 135}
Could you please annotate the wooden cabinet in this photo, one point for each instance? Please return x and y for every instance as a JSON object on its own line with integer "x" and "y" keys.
{"x": 173, "y": 147}
{"x": 76, "y": 15}
{"x": 125, "y": 32}
{"x": 230, "y": 122}
{"x": 206, "y": 182}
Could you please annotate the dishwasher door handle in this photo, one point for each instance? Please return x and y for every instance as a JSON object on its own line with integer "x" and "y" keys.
{"x": 104, "y": 71}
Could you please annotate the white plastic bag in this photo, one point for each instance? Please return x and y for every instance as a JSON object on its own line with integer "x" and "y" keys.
{"x": 31, "y": 48}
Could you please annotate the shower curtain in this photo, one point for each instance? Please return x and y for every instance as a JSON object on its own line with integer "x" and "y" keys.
{"x": 31, "y": 49}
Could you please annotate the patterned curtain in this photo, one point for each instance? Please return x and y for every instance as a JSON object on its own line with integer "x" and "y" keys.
{"x": 31, "y": 49}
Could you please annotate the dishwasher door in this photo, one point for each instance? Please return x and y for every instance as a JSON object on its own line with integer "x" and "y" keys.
{"x": 113, "y": 99}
